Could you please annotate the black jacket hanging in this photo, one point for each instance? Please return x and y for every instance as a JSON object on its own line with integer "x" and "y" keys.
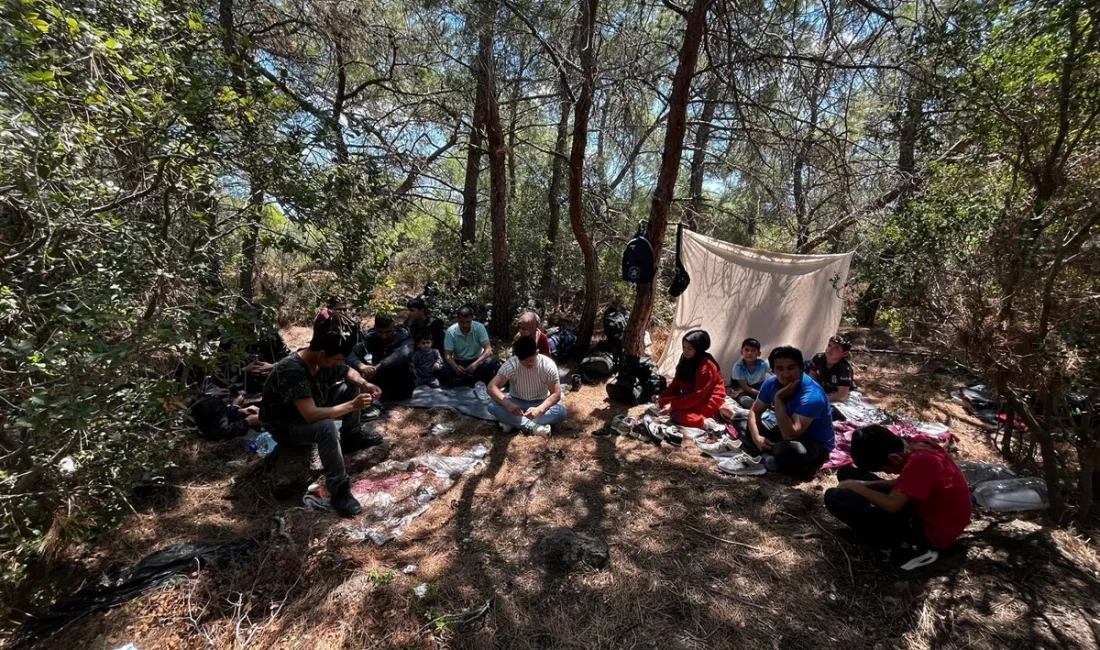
{"x": 682, "y": 280}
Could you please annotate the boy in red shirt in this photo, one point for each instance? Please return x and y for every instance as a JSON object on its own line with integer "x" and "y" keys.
{"x": 914, "y": 516}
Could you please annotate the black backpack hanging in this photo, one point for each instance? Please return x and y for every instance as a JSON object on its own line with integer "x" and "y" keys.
{"x": 638, "y": 266}
{"x": 682, "y": 280}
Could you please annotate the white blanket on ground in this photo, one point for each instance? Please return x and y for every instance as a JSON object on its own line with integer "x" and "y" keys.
{"x": 737, "y": 293}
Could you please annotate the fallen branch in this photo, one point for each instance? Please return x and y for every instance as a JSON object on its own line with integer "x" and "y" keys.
{"x": 725, "y": 541}
{"x": 467, "y": 616}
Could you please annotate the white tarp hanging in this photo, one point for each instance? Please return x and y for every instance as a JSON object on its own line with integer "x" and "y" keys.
{"x": 738, "y": 292}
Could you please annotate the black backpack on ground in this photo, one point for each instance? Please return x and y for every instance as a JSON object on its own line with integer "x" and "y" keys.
{"x": 638, "y": 382}
{"x": 614, "y": 323}
{"x": 602, "y": 359}
{"x": 638, "y": 265}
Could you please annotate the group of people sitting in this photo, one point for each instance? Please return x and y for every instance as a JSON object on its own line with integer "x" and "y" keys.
{"x": 322, "y": 394}
{"x": 914, "y": 517}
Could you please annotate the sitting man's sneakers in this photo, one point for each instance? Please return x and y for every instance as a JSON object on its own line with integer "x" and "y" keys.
{"x": 505, "y": 428}
{"x": 532, "y": 429}
{"x": 724, "y": 447}
{"x": 373, "y": 413}
{"x": 343, "y": 502}
{"x": 742, "y": 465}
{"x": 911, "y": 558}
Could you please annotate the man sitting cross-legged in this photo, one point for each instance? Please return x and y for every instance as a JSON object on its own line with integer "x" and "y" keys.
{"x": 532, "y": 404}
{"x": 802, "y": 436}
{"x": 914, "y": 516}
{"x": 308, "y": 392}
{"x": 467, "y": 352}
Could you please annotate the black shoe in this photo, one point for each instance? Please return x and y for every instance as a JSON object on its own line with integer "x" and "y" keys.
{"x": 373, "y": 413}
{"x": 354, "y": 442}
{"x": 909, "y": 558}
{"x": 343, "y": 503}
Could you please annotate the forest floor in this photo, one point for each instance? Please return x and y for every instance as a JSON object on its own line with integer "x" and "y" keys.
{"x": 698, "y": 559}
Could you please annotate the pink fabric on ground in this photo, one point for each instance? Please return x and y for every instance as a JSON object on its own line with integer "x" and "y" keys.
{"x": 841, "y": 453}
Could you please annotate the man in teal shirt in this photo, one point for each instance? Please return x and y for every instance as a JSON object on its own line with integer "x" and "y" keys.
{"x": 467, "y": 352}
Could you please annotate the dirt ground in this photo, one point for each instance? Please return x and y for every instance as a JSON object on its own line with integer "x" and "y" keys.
{"x": 698, "y": 559}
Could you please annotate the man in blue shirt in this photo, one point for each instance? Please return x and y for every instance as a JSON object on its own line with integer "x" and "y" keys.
{"x": 467, "y": 352}
{"x": 802, "y": 436}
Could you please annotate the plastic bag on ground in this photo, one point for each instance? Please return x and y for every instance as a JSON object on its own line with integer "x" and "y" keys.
{"x": 1013, "y": 494}
{"x": 976, "y": 473}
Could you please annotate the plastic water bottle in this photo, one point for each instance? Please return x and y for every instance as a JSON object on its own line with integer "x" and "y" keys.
{"x": 263, "y": 444}
{"x": 481, "y": 391}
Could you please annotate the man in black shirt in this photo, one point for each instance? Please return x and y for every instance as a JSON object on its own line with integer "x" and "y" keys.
{"x": 246, "y": 361}
{"x": 389, "y": 349}
{"x": 831, "y": 370}
{"x": 418, "y": 320}
{"x": 308, "y": 392}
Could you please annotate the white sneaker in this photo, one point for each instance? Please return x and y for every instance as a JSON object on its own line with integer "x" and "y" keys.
{"x": 725, "y": 447}
{"x": 506, "y": 428}
{"x": 710, "y": 424}
{"x": 742, "y": 465}
{"x": 653, "y": 410}
{"x": 541, "y": 430}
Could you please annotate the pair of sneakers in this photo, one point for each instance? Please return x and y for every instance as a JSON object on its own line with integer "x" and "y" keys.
{"x": 662, "y": 432}
{"x": 528, "y": 429}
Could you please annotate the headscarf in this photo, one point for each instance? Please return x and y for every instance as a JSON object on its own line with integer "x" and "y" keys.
{"x": 686, "y": 368}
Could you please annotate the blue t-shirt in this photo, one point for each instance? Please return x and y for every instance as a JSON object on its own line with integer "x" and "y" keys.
{"x": 810, "y": 401}
{"x": 751, "y": 377}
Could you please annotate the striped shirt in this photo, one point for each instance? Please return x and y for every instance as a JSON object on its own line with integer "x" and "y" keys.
{"x": 530, "y": 384}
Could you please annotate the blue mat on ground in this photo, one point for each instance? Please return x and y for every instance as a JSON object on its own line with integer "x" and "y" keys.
{"x": 462, "y": 400}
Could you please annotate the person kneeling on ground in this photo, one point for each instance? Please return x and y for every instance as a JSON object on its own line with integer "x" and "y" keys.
{"x": 800, "y": 440}
{"x": 390, "y": 350}
{"x": 832, "y": 370}
{"x": 467, "y": 352}
{"x": 532, "y": 404}
{"x": 697, "y": 391}
{"x": 914, "y": 516}
{"x": 311, "y": 389}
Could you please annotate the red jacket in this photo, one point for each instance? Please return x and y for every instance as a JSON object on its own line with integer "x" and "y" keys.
{"x": 707, "y": 395}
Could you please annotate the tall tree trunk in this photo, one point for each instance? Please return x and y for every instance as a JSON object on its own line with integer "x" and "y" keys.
{"x": 587, "y": 49}
{"x": 513, "y": 114}
{"x": 251, "y": 239}
{"x": 633, "y": 342}
{"x": 699, "y": 155}
{"x": 558, "y": 167}
{"x": 476, "y": 148}
{"x": 498, "y": 188}
{"x": 253, "y": 165}
{"x": 801, "y": 201}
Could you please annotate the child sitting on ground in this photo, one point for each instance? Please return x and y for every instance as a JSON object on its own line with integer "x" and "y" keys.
{"x": 914, "y": 516}
{"x": 697, "y": 391}
{"x": 831, "y": 370}
{"x": 749, "y": 373}
{"x": 426, "y": 360}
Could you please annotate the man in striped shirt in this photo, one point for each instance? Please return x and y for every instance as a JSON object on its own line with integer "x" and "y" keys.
{"x": 534, "y": 391}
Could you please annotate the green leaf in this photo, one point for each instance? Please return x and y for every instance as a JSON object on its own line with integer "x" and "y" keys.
{"x": 112, "y": 44}
{"x": 74, "y": 26}
{"x": 40, "y": 76}
{"x": 38, "y": 23}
